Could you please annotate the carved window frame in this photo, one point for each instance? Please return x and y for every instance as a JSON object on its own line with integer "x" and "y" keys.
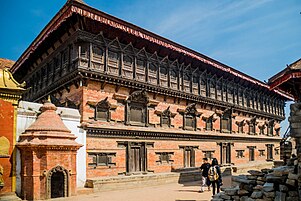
{"x": 208, "y": 154}
{"x": 252, "y": 126}
{"x": 137, "y": 100}
{"x": 270, "y": 155}
{"x": 165, "y": 157}
{"x": 192, "y": 114}
{"x": 226, "y": 118}
{"x": 103, "y": 106}
{"x": 240, "y": 153}
{"x": 97, "y": 156}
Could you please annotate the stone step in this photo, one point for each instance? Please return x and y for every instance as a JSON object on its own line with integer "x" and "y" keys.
{"x": 9, "y": 197}
{"x": 134, "y": 181}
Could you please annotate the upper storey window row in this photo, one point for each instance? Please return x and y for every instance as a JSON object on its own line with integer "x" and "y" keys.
{"x": 125, "y": 61}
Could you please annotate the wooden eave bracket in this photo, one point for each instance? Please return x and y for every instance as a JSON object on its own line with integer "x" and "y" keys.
{"x": 153, "y": 103}
{"x": 119, "y": 97}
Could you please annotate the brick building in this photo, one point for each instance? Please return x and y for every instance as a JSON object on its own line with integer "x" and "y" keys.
{"x": 148, "y": 104}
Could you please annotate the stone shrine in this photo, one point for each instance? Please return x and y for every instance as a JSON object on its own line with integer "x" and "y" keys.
{"x": 48, "y": 157}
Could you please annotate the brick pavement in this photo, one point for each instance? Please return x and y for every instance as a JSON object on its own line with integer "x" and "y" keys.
{"x": 168, "y": 192}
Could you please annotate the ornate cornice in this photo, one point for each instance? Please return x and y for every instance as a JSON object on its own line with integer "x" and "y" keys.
{"x": 155, "y": 135}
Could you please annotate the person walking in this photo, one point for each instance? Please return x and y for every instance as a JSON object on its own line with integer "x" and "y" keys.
{"x": 215, "y": 176}
{"x": 205, "y": 180}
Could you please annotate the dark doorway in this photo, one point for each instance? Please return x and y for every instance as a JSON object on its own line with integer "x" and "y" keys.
{"x": 189, "y": 157}
{"x": 136, "y": 157}
{"x": 57, "y": 184}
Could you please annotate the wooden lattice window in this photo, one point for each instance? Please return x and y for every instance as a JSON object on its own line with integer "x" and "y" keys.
{"x": 190, "y": 115}
{"x": 251, "y": 153}
{"x": 101, "y": 159}
{"x": 165, "y": 157}
{"x": 102, "y": 110}
{"x": 270, "y": 152}
{"x": 212, "y": 90}
{"x": 226, "y": 121}
{"x": 97, "y": 58}
{"x": 128, "y": 65}
{"x": 136, "y": 112}
{"x": 140, "y": 70}
{"x": 163, "y": 75}
{"x": 173, "y": 79}
{"x": 208, "y": 154}
{"x": 186, "y": 82}
{"x": 203, "y": 87}
{"x": 240, "y": 153}
{"x": 195, "y": 84}
{"x": 113, "y": 62}
{"x": 152, "y": 73}
{"x": 261, "y": 152}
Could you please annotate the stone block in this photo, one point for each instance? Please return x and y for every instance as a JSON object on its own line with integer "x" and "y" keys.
{"x": 275, "y": 179}
{"x": 236, "y": 198}
{"x": 231, "y": 191}
{"x": 280, "y": 196}
{"x": 261, "y": 178}
{"x": 267, "y": 187}
{"x": 242, "y": 192}
{"x": 225, "y": 196}
{"x": 269, "y": 194}
{"x": 267, "y": 198}
{"x": 291, "y": 199}
{"x": 248, "y": 187}
{"x": 244, "y": 198}
{"x": 255, "y": 173}
{"x": 291, "y": 182}
{"x": 293, "y": 193}
{"x": 260, "y": 183}
{"x": 251, "y": 177}
{"x": 258, "y": 188}
{"x": 250, "y": 199}
{"x": 256, "y": 195}
{"x": 283, "y": 188}
{"x": 292, "y": 176}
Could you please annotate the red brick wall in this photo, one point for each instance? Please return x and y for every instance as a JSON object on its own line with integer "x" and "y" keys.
{"x": 6, "y": 130}
{"x": 92, "y": 93}
{"x": 104, "y": 145}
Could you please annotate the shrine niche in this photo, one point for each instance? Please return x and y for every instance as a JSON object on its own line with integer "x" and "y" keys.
{"x": 165, "y": 117}
{"x": 190, "y": 115}
{"x": 57, "y": 182}
{"x": 136, "y": 109}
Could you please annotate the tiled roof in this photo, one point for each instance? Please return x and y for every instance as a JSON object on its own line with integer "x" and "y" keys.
{"x": 6, "y": 63}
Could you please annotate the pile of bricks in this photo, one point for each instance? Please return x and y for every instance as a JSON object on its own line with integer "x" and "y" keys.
{"x": 277, "y": 184}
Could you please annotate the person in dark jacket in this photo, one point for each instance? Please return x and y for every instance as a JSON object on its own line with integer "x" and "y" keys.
{"x": 205, "y": 180}
{"x": 215, "y": 176}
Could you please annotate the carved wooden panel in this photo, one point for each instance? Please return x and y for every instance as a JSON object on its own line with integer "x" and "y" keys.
{"x": 163, "y": 76}
{"x": 113, "y": 62}
{"x": 97, "y": 59}
{"x": 173, "y": 79}
{"x": 152, "y": 73}
{"x": 203, "y": 87}
{"x": 195, "y": 84}
{"x": 186, "y": 82}
{"x": 128, "y": 66}
{"x": 141, "y": 69}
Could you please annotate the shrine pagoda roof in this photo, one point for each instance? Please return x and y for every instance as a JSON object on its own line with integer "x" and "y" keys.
{"x": 6, "y": 63}
{"x": 287, "y": 79}
{"x": 78, "y": 7}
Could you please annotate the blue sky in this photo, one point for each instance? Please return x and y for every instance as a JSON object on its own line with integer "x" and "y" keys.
{"x": 257, "y": 37}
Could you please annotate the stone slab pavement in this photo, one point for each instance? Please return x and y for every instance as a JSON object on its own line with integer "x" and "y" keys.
{"x": 167, "y": 192}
